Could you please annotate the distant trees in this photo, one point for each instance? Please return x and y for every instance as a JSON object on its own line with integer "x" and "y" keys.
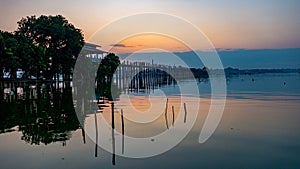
{"x": 200, "y": 73}
{"x": 45, "y": 46}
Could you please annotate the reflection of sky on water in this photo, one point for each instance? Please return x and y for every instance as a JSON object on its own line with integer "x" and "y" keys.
{"x": 259, "y": 129}
{"x": 256, "y": 86}
{"x": 252, "y": 134}
{"x": 267, "y": 83}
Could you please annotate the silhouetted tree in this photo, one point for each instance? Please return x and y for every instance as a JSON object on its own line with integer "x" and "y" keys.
{"x": 32, "y": 58}
{"x": 8, "y": 59}
{"x": 2, "y": 46}
{"x": 104, "y": 76}
{"x": 57, "y": 43}
{"x": 107, "y": 68}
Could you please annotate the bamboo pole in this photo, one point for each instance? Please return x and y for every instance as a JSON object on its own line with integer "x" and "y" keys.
{"x": 113, "y": 134}
{"x": 83, "y": 133}
{"x": 173, "y": 115}
{"x": 166, "y": 114}
{"x": 185, "y": 112}
{"x": 96, "y": 129}
{"x": 123, "y": 131}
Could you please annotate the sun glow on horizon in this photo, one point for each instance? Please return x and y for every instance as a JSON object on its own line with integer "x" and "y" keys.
{"x": 153, "y": 42}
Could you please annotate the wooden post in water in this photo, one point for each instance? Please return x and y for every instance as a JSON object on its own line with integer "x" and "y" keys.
{"x": 166, "y": 114}
{"x": 173, "y": 115}
{"x": 82, "y": 114}
{"x": 131, "y": 76}
{"x": 113, "y": 134}
{"x": 96, "y": 127}
{"x": 144, "y": 75}
{"x": 83, "y": 133}
{"x": 112, "y": 115}
{"x": 123, "y": 75}
{"x": 117, "y": 78}
{"x": 122, "y": 120}
{"x": 185, "y": 112}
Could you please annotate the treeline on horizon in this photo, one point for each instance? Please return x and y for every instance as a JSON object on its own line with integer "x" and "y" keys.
{"x": 235, "y": 71}
{"x": 229, "y": 71}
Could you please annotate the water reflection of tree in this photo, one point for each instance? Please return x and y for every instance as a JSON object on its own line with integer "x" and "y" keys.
{"x": 49, "y": 118}
{"x": 8, "y": 119}
{"x": 109, "y": 91}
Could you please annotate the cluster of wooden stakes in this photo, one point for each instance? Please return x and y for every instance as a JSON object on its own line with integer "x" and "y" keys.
{"x": 123, "y": 128}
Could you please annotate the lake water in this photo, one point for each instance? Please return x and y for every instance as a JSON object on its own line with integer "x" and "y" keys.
{"x": 259, "y": 129}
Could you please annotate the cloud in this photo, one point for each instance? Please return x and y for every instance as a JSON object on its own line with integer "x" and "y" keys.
{"x": 230, "y": 49}
{"x": 120, "y": 45}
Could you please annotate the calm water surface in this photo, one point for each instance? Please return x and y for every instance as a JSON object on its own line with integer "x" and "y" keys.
{"x": 259, "y": 129}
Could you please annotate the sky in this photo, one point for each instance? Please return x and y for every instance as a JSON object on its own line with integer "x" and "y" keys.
{"x": 236, "y": 24}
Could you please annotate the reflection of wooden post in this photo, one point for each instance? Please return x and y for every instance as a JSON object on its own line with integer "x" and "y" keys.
{"x": 82, "y": 106}
{"x": 166, "y": 114}
{"x": 82, "y": 114}
{"x": 122, "y": 119}
{"x": 83, "y": 133}
{"x": 112, "y": 116}
{"x": 185, "y": 112}
{"x": 173, "y": 115}
{"x": 113, "y": 134}
{"x": 96, "y": 127}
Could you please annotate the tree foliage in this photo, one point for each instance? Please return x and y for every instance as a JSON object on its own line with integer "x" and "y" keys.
{"x": 56, "y": 42}
{"x": 45, "y": 44}
{"x": 8, "y": 60}
{"x": 107, "y": 67}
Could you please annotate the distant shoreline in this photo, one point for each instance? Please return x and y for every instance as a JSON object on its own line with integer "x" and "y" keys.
{"x": 233, "y": 71}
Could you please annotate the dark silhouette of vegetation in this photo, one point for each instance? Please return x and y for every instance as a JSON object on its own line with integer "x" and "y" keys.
{"x": 108, "y": 90}
{"x": 200, "y": 73}
{"x": 105, "y": 72}
{"x": 8, "y": 59}
{"x": 44, "y": 46}
{"x": 48, "y": 118}
{"x": 107, "y": 68}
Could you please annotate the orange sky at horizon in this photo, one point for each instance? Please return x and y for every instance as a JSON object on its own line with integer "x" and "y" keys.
{"x": 252, "y": 24}
{"x": 153, "y": 42}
